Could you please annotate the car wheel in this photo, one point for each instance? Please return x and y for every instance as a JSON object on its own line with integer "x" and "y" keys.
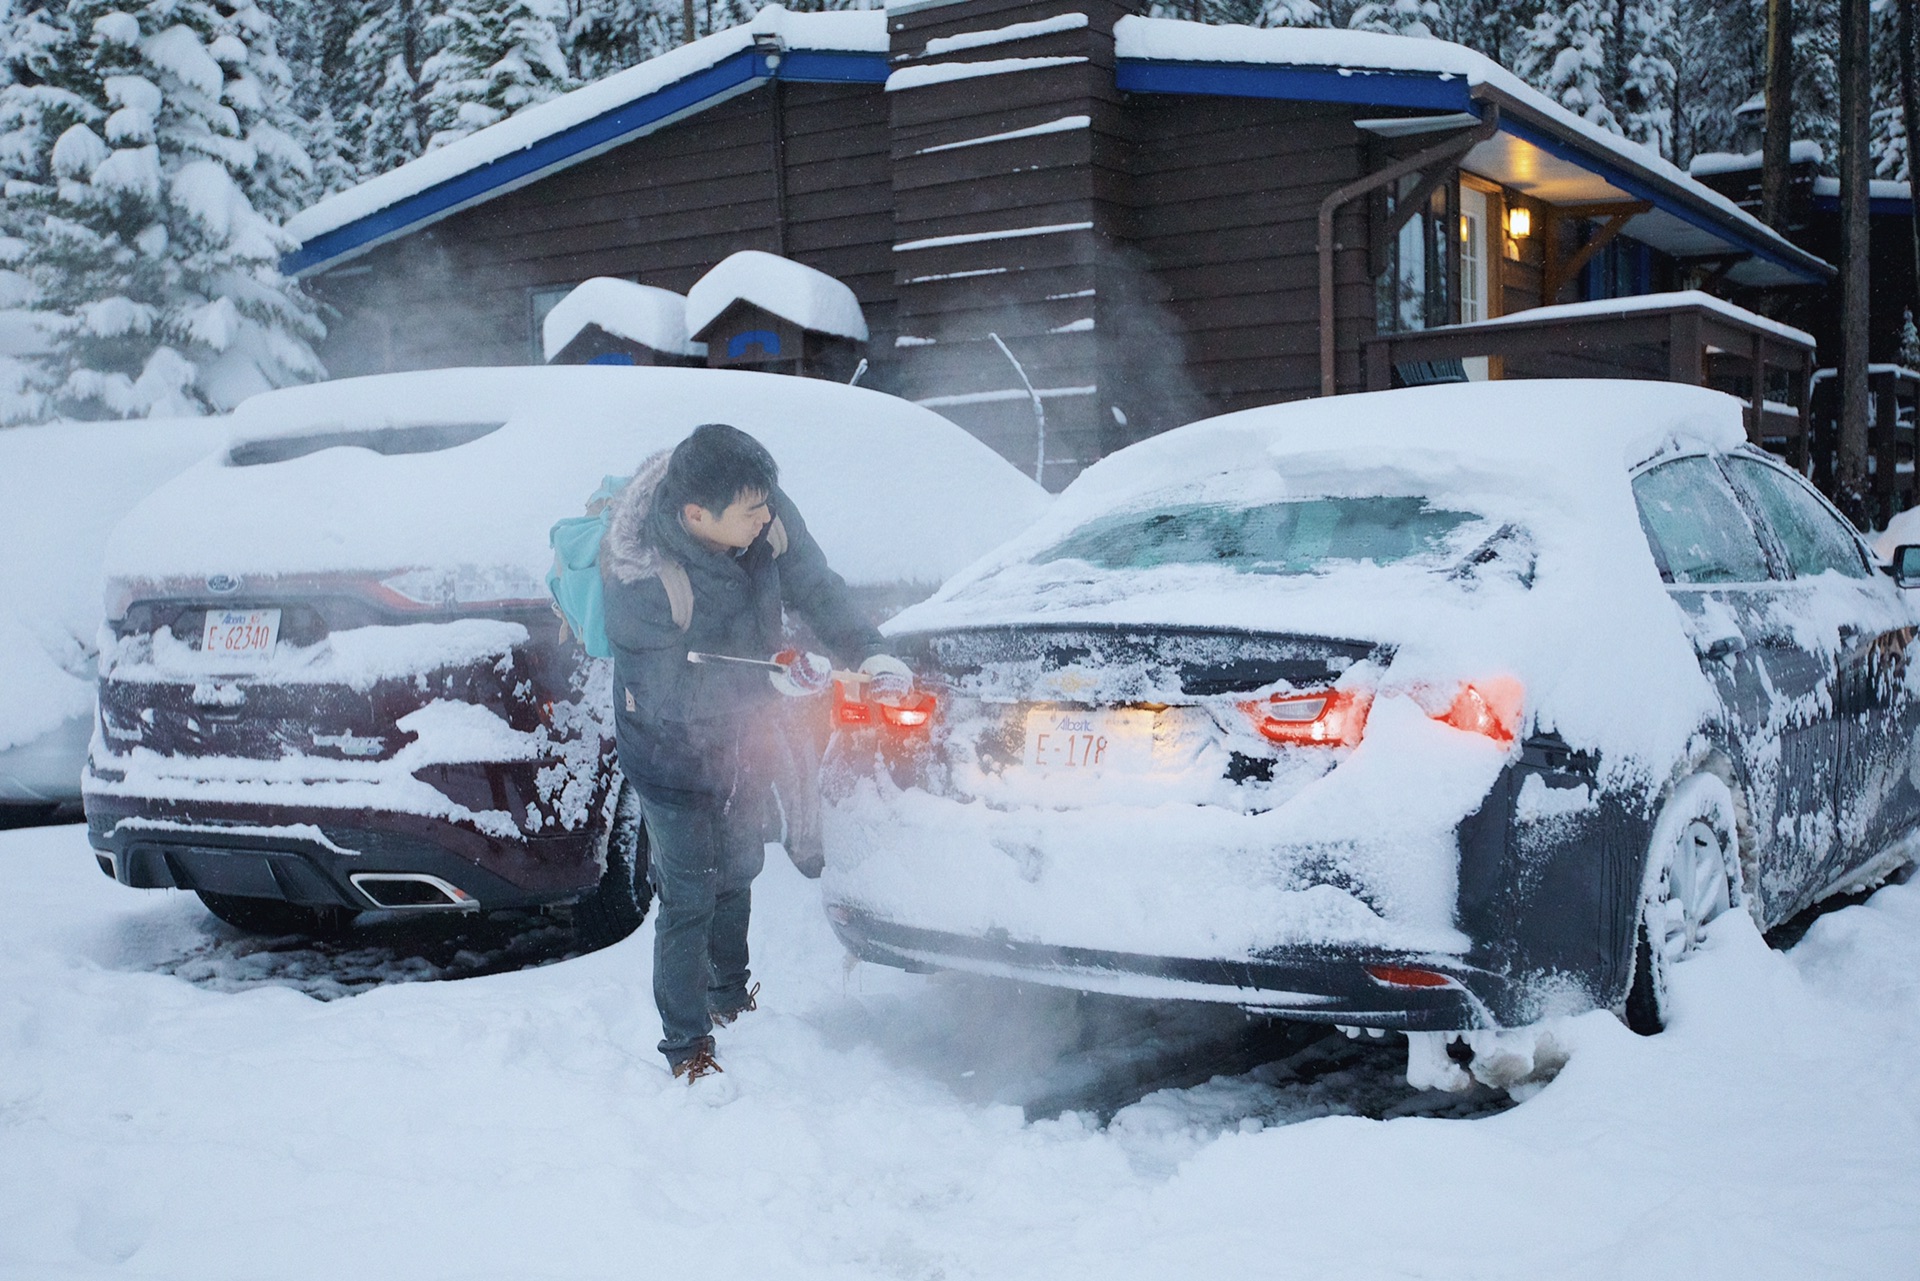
{"x": 1687, "y": 885}
{"x": 619, "y": 903}
{"x": 274, "y": 916}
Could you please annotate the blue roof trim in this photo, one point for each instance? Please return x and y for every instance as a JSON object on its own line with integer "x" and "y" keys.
{"x": 1877, "y": 206}
{"x": 1299, "y": 84}
{"x": 745, "y": 67}
{"x": 1561, "y": 149}
{"x": 811, "y": 66}
{"x": 1413, "y": 89}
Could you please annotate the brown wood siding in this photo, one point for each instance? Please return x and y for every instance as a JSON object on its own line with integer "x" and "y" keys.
{"x": 1229, "y": 193}
{"x": 661, "y": 209}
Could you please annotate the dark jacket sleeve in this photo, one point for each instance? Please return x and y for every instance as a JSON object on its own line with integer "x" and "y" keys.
{"x": 810, "y": 588}
{"x": 667, "y": 728}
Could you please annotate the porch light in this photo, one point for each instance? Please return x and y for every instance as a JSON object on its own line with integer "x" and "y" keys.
{"x": 1519, "y": 222}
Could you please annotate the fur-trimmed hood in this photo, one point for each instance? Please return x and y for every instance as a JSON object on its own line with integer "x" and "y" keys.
{"x": 628, "y": 553}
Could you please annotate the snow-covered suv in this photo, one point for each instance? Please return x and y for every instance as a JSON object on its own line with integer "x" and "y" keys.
{"x": 1433, "y": 710}
{"x": 333, "y": 682}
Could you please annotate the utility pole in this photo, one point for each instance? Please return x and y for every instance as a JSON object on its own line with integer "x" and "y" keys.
{"x": 1776, "y": 148}
{"x": 1856, "y": 56}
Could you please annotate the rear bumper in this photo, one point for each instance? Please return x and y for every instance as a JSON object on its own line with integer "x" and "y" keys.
{"x": 311, "y": 856}
{"x": 1317, "y": 985}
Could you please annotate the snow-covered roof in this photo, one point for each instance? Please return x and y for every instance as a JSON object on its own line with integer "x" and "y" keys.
{"x": 1647, "y": 302}
{"x": 790, "y": 290}
{"x": 1877, "y": 189}
{"x": 583, "y": 123}
{"x": 1803, "y": 151}
{"x": 655, "y": 318}
{"x": 1351, "y": 66}
{"x": 1371, "y": 67}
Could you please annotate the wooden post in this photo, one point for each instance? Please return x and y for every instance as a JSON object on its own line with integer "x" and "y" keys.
{"x": 1684, "y": 364}
{"x": 1855, "y": 167}
{"x": 1759, "y": 397}
{"x": 1776, "y": 149}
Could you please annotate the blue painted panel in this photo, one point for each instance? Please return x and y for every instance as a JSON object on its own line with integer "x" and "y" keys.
{"x": 765, "y": 339}
{"x": 1299, "y": 84}
{"x": 611, "y": 358}
{"x": 739, "y": 69}
{"x": 811, "y": 66}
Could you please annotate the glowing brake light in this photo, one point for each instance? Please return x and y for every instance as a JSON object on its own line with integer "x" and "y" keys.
{"x": 1489, "y": 707}
{"x": 1407, "y": 976}
{"x": 1338, "y": 717}
{"x": 851, "y": 707}
{"x": 1330, "y": 718}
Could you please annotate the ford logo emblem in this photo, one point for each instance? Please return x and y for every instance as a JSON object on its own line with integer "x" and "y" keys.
{"x": 223, "y": 583}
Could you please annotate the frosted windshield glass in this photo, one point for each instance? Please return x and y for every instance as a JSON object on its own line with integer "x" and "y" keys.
{"x": 1299, "y": 537}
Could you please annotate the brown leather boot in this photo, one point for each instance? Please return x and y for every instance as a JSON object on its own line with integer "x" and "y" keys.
{"x": 725, "y": 1018}
{"x": 697, "y": 1064}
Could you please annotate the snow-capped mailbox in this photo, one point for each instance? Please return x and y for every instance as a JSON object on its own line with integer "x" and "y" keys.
{"x": 606, "y": 321}
{"x": 758, "y": 310}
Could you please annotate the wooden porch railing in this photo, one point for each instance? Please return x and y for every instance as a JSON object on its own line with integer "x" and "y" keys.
{"x": 1685, "y": 337}
{"x": 1893, "y": 405}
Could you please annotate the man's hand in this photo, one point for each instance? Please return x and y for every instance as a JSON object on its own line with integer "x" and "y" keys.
{"x": 806, "y": 674}
{"x": 892, "y": 679}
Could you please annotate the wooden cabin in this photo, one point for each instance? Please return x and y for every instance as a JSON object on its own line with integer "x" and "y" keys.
{"x": 1123, "y": 221}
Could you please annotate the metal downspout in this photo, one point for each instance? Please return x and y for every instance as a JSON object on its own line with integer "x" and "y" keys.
{"x": 1450, "y": 150}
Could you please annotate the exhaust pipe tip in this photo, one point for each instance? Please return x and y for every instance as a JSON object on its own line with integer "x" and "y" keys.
{"x": 413, "y": 892}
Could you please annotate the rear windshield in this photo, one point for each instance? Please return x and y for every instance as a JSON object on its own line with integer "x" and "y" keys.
{"x": 416, "y": 438}
{"x": 1297, "y": 537}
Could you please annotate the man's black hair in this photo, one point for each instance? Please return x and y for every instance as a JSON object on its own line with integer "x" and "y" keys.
{"x": 715, "y": 466}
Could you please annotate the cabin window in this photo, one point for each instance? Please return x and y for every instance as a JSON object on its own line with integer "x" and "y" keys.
{"x": 1473, "y": 255}
{"x": 1414, "y": 291}
{"x": 542, "y": 299}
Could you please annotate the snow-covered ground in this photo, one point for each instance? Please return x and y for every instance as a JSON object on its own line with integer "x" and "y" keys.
{"x": 174, "y": 1104}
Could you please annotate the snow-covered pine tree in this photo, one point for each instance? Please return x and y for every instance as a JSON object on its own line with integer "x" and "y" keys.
{"x": 1816, "y": 73}
{"x": 1640, "y": 71}
{"x": 495, "y": 59}
{"x": 1421, "y": 18}
{"x": 383, "y": 69}
{"x": 1566, "y": 56}
{"x": 605, "y": 36}
{"x": 147, "y": 161}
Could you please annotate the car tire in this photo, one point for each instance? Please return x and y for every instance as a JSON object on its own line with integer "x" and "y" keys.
{"x": 1692, "y": 866}
{"x": 275, "y": 917}
{"x": 618, "y": 905}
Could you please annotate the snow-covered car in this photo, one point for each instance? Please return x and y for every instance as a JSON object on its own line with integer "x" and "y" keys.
{"x": 1433, "y": 710}
{"x": 63, "y": 487}
{"x": 334, "y": 681}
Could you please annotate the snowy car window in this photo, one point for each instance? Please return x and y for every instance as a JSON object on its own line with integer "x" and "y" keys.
{"x": 416, "y": 438}
{"x": 1697, "y": 529}
{"x": 1297, "y": 537}
{"x": 1813, "y": 538}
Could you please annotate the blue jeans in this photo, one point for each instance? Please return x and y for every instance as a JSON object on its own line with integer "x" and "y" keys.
{"x": 701, "y": 860}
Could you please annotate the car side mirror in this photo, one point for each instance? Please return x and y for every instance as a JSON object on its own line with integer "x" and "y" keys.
{"x": 1906, "y": 565}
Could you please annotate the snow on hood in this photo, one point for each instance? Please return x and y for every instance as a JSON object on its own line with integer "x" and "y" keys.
{"x": 650, "y": 316}
{"x": 1595, "y": 640}
{"x": 790, "y": 290}
{"x": 892, "y": 491}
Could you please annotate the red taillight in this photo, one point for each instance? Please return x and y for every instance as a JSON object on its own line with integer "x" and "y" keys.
{"x": 1330, "y": 718}
{"x": 1489, "y": 707}
{"x": 1407, "y": 976}
{"x": 915, "y": 713}
{"x": 852, "y": 708}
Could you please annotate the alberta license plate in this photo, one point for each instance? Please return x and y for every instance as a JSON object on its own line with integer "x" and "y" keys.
{"x": 1113, "y": 740}
{"x": 246, "y": 635}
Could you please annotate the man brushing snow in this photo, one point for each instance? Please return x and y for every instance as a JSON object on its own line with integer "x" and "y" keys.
{"x": 702, "y": 554}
